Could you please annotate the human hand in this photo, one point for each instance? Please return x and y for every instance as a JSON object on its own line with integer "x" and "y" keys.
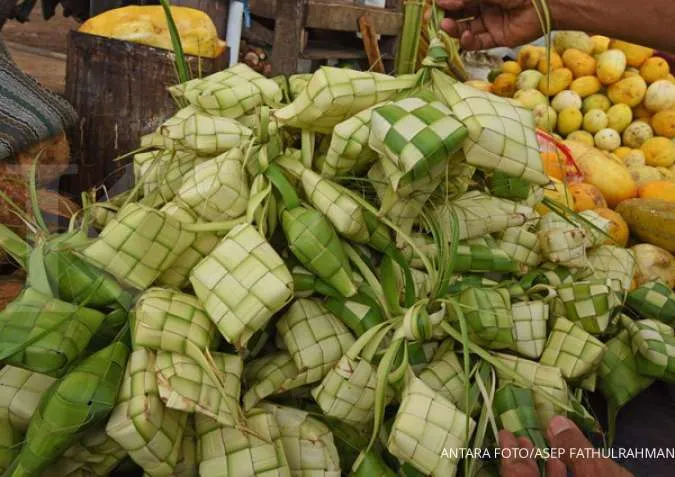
{"x": 564, "y": 435}
{"x": 496, "y": 22}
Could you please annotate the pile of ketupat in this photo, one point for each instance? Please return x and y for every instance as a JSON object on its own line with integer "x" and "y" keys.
{"x": 336, "y": 273}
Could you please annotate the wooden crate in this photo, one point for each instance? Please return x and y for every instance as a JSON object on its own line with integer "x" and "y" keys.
{"x": 300, "y": 26}
{"x": 119, "y": 91}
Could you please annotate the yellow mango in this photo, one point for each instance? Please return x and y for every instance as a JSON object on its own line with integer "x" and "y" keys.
{"x": 661, "y": 190}
{"x": 586, "y": 196}
{"x": 529, "y": 56}
{"x": 619, "y": 117}
{"x": 654, "y": 69}
{"x": 512, "y": 67}
{"x": 663, "y": 123}
{"x": 147, "y": 25}
{"x": 630, "y": 91}
{"x": 659, "y": 152}
{"x": 600, "y": 44}
{"x": 580, "y": 63}
{"x": 614, "y": 180}
{"x": 555, "y": 62}
{"x": 555, "y": 82}
{"x": 610, "y": 66}
{"x": 622, "y": 152}
{"x": 564, "y": 40}
{"x": 618, "y": 228}
{"x": 582, "y": 136}
{"x": 636, "y": 55}
{"x": 481, "y": 85}
{"x": 504, "y": 85}
{"x": 569, "y": 120}
{"x": 586, "y": 86}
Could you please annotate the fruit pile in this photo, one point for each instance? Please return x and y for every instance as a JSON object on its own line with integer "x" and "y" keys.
{"x": 615, "y": 96}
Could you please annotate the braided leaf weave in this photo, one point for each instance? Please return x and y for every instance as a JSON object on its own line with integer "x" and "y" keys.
{"x": 502, "y": 134}
{"x": 184, "y": 386}
{"x": 415, "y": 136}
{"x": 425, "y": 424}
{"x": 151, "y": 433}
{"x": 230, "y": 93}
{"x": 655, "y": 300}
{"x": 529, "y": 327}
{"x": 569, "y": 347}
{"x": 21, "y": 393}
{"x": 242, "y": 283}
{"x": 139, "y": 244}
{"x": 314, "y": 337}
{"x": 50, "y": 333}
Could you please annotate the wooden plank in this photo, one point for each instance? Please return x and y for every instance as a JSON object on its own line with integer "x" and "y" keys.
{"x": 346, "y": 18}
{"x": 118, "y": 89}
{"x": 370, "y": 44}
{"x": 338, "y": 16}
{"x": 287, "y": 36}
{"x": 323, "y": 52}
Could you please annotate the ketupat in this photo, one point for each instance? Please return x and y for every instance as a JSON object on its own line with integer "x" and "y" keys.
{"x": 242, "y": 283}
{"x": 81, "y": 400}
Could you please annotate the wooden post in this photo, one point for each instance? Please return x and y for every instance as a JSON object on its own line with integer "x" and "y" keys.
{"x": 118, "y": 89}
{"x": 287, "y": 36}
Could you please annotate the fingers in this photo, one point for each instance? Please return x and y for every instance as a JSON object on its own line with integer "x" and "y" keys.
{"x": 472, "y": 35}
{"x": 512, "y": 464}
{"x": 555, "y": 468}
{"x": 453, "y": 5}
{"x": 565, "y": 435}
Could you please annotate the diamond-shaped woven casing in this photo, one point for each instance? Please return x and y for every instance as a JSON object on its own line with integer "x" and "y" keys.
{"x": 445, "y": 375}
{"x": 617, "y": 264}
{"x": 138, "y": 245}
{"x": 488, "y": 316}
{"x": 308, "y": 443}
{"x": 21, "y": 393}
{"x": 346, "y": 215}
{"x": 415, "y": 136}
{"x": 590, "y": 303}
{"x": 171, "y": 321}
{"x": 218, "y": 188}
{"x": 230, "y": 93}
{"x": 314, "y": 242}
{"x": 94, "y": 454}
{"x": 348, "y": 391}
{"x": 178, "y": 274}
{"x": 515, "y": 410}
{"x": 349, "y": 149}
{"x": 619, "y": 380}
{"x": 49, "y": 333}
{"x": 205, "y": 135}
{"x": 162, "y": 173}
{"x": 402, "y": 211}
{"x": 229, "y": 451}
{"x": 183, "y": 385}
{"x": 314, "y": 337}
{"x": 273, "y": 373}
{"x": 151, "y": 433}
{"x": 655, "y": 300}
{"x": 547, "y": 378}
{"x": 521, "y": 245}
{"x": 335, "y": 94}
{"x": 653, "y": 343}
{"x": 479, "y": 214}
{"x": 562, "y": 243}
{"x": 81, "y": 400}
{"x": 529, "y": 327}
{"x": 502, "y": 134}
{"x": 573, "y": 350}
{"x": 481, "y": 255}
{"x": 242, "y": 283}
{"x": 425, "y": 424}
